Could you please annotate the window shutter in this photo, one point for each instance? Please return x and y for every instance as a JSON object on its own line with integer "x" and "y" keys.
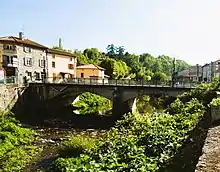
{"x": 24, "y": 61}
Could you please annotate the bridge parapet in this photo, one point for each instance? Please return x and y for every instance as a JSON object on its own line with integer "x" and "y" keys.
{"x": 120, "y": 82}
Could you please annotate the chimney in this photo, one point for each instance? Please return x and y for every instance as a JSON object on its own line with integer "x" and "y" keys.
{"x": 21, "y": 35}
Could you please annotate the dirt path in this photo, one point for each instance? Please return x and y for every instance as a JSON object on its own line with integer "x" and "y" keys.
{"x": 210, "y": 159}
{"x": 49, "y": 139}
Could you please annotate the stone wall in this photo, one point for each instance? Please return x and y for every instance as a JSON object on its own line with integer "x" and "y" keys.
{"x": 8, "y": 96}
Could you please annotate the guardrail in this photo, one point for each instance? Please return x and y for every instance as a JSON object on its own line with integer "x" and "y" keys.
{"x": 120, "y": 82}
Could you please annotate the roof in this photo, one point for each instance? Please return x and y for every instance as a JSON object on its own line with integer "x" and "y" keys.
{"x": 61, "y": 52}
{"x": 17, "y": 40}
{"x": 90, "y": 66}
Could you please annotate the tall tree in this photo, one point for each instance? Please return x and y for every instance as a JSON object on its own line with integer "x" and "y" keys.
{"x": 120, "y": 50}
{"x": 111, "y": 50}
{"x": 60, "y": 44}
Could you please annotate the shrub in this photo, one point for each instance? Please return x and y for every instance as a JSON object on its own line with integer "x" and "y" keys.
{"x": 215, "y": 102}
{"x": 92, "y": 104}
{"x": 15, "y": 141}
{"x": 76, "y": 146}
{"x": 144, "y": 142}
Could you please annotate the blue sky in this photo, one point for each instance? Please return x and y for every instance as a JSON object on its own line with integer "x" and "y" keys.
{"x": 186, "y": 29}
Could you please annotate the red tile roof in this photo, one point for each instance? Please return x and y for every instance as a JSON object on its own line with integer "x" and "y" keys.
{"x": 90, "y": 66}
{"x": 16, "y": 40}
{"x": 61, "y": 52}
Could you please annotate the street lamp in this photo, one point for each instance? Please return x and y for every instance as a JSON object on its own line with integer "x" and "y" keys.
{"x": 173, "y": 72}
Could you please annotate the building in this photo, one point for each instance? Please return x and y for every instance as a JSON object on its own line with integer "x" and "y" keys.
{"x": 23, "y": 59}
{"x": 1, "y": 57}
{"x": 61, "y": 64}
{"x": 211, "y": 70}
{"x": 91, "y": 71}
{"x": 192, "y": 73}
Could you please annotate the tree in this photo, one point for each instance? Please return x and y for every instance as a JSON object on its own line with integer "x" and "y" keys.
{"x": 93, "y": 55}
{"x": 108, "y": 65}
{"x": 120, "y": 51}
{"x": 181, "y": 65}
{"x": 116, "y": 69}
{"x": 81, "y": 59}
{"x": 157, "y": 66}
{"x": 147, "y": 60}
{"x": 111, "y": 50}
{"x": 60, "y": 46}
{"x": 160, "y": 77}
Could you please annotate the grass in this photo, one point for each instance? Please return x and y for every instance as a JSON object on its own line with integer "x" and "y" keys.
{"x": 76, "y": 146}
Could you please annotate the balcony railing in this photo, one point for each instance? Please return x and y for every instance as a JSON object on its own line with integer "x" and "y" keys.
{"x": 9, "y": 80}
{"x": 9, "y": 64}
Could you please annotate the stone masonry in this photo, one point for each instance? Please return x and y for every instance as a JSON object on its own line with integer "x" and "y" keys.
{"x": 8, "y": 96}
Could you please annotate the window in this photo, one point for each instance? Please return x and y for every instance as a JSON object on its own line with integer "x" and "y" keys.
{"x": 9, "y": 47}
{"x": 82, "y": 75}
{"x": 71, "y": 66}
{"x": 27, "y": 49}
{"x": 42, "y": 63}
{"x": 37, "y": 76}
{"x": 28, "y": 61}
{"x": 71, "y": 59}
{"x": 53, "y": 64}
{"x": 8, "y": 59}
{"x": 43, "y": 75}
{"x": 53, "y": 55}
{"x": 29, "y": 74}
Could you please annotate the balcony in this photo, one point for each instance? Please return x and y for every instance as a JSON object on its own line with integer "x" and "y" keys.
{"x": 10, "y": 61}
{"x": 70, "y": 66}
{"x": 10, "y": 49}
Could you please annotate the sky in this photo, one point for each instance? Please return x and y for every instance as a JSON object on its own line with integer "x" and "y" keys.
{"x": 185, "y": 29}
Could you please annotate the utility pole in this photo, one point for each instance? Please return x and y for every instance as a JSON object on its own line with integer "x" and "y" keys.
{"x": 173, "y": 72}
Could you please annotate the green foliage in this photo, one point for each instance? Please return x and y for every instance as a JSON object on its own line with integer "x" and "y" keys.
{"x": 15, "y": 149}
{"x": 204, "y": 92}
{"x": 215, "y": 102}
{"x": 116, "y": 69}
{"x": 76, "y": 146}
{"x": 92, "y": 104}
{"x": 143, "y": 142}
{"x": 81, "y": 59}
{"x": 111, "y": 50}
{"x": 160, "y": 77}
{"x": 92, "y": 54}
{"x": 143, "y": 105}
{"x": 17, "y": 159}
{"x": 60, "y": 46}
{"x": 120, "y": 64}
{"x": 176, "y": 106}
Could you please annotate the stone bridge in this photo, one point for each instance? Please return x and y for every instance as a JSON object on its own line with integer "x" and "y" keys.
{"x": 122, "y": 96}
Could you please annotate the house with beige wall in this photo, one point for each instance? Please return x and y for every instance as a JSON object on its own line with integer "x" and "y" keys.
{"x": 61, "y": 64}
{"x": 91, "y": 72}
